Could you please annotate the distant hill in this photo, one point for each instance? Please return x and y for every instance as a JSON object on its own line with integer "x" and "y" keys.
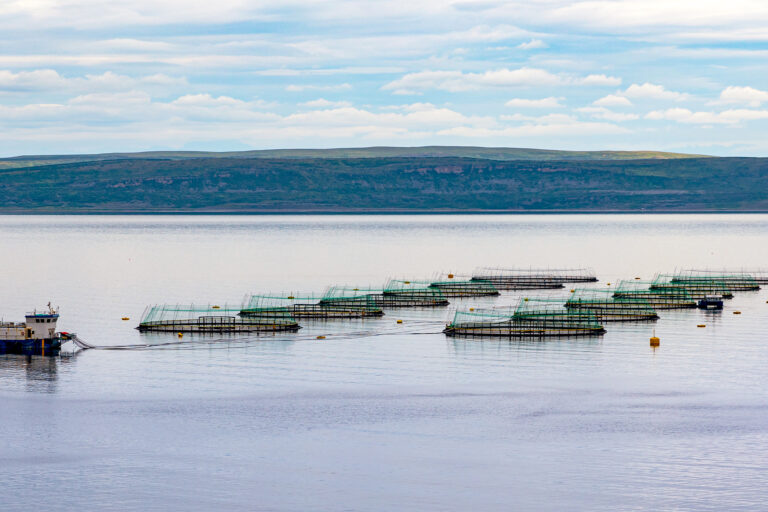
{"x": 386, "y": 184}
{"x": 372, "y": 152}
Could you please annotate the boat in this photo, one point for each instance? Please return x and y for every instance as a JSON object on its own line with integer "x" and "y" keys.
{"x": 710, "y": 302}
{"x": 36, "y": 335}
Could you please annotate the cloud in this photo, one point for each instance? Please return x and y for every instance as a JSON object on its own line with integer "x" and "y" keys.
{"x": 49, "y": 80}
{"x": 550, "y": 102}
{"x": 457, "y": 81}
{"x": 653, "y": 91}
{"x": 323, "y": 103}
{"x": 608, "y": 115}
{"x": 599, "y": 80}
{"x": 612, "y": 100}
{"x": 745, "y": 95}
{"x": 683, "y": 115}
{"x": 532, "y": 44}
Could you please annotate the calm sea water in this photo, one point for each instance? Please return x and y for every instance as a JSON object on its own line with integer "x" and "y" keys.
{"x": 380, "y": 415}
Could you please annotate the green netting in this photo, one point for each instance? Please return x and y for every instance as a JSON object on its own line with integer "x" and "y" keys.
{"x": 541, "y": 321}
{"x": 698, "y": 288}
{"x": 521, "y": 279}
{"x": 310, "y": 306}
{"x": 211, "y": 318}
{"x": 458, "y": 288}
{"x": 734, "y": 282}
{"x": 760, "y": 276}
{"x": 393, "y": 295}
{"x": 610, "y": 308}
{"x": 668, "y": 298}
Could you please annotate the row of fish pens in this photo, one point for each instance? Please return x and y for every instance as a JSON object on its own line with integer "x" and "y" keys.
{"x": 585, "y": 310}
{"x": 280, "y": 313}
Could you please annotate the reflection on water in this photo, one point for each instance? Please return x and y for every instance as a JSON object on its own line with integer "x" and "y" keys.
{"x": 379, "y": 415}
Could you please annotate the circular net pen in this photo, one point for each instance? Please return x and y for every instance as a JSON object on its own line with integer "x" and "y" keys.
{"x": 542, "y": 322}
{"x": 697, "y": 289}
{"x": 212, "y": 319}
{"x": 310, "y": 307}
{"x": 669, "y": 298}
{"x": 760, "y": 276}
{"x": 532, "y": 279}
{"x": 608, "y": 308}
{"x": 456, "y": 288}
{"x": 734, "y": 282}
{"x": 395, "y": 294}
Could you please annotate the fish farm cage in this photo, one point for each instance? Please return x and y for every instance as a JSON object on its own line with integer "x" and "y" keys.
{"x": 734, "y": 282}
{"x": 531, "y": 279}
{"x": 760, "y": 276}
{"x": 212, "y": 319}
{"x": 309, "y": 307}
{"x": 697, "y": 289}
{"x": 608, "y": 308}
{"x": 668, "y": 298}
{"x": 530, "y": 322}
{"x": 453, "y": 288}
{"x": 395, "y": 294}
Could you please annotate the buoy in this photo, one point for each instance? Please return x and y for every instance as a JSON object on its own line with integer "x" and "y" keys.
{"x": 654, "y": 340}
{"x": 701, "y": 325}
{"x": 573, "y": 291}
{"x": 356, "y": 289}
{"x": 525, "y": 299}
{"x": 608, "y": 284}
{"x": 450, "y": 276}
{"x": 399, "y": 321}
{"x": 215, "y": 307}
{"x": 471, "y": 309}
{"x": 321, "y": 337}
{"x": 406, "y": 282}
{"x": 291, "y": 297}
{"x": 637, "y": 278}
{"x": 737, "y": 312}
{"x": 181, "y": 335}
{"x": 126, "y": 318}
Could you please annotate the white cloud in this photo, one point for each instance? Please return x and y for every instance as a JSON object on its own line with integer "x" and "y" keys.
{"x": 745, "y": 95}
{"x": 612, "y": 100}
{"x": 599, "y": 80}
{"x": 683, "y": 115}
{"x": 457, "y": 81}
{"x": 653, "y": 91}
{"x": 49, "y": 80}
{"x": 323, "y": 103}
{"x": 532, "y": 44}
{"x": 608, "y": 115}
{"x": 550, "y": 102}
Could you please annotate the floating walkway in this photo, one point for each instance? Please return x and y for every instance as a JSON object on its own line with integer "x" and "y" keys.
{"x": 395, "y": 294}
{"x": 669, "y": 298}
{"x": 309, "y": 307}
{"x": 608, "y": 308}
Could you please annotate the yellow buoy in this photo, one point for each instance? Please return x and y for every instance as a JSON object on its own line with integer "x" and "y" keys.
{"x": 181, "y": 335}
{"x": 126, "y": 318}
{"x": 525, "y": 299}
{"x": 450, "y": 276}
{"x": 215, "y": 307}
{"x": 608, "y": 284}
{"x": 321, "y": 337}
{"x": 637, "y": 278}
{"x": 356, "y": 289}
{"x": 291, "y": 297}
{"x": 573, "y": 291}
{"x": 406, "y": 282}
{"x": 399, "y": 321}
{"x": 471, "y": 309}
{"x": 737, "y": 312}
{"x": 655, "y": 342}
{"x": 701, "y": 325}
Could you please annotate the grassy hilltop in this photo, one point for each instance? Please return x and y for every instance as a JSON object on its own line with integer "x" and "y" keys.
{"x": 384, "y": 179}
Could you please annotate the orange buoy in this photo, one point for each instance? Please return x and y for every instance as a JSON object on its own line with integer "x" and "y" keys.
{"x": 701, "y": 325}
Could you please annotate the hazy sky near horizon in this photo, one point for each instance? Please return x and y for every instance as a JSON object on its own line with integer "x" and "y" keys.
{"x": 129, "y": 75}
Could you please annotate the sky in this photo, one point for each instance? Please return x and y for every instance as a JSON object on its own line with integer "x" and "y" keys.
{"x": 84, "y": 76}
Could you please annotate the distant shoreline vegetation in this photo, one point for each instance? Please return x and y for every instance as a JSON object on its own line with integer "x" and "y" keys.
{"x": 432, "y": 180}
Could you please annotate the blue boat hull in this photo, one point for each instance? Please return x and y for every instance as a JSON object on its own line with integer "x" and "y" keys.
{"x": 34, "y": 347}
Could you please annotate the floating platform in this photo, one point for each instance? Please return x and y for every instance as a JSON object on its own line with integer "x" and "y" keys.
{"x": 608, "y": 308}
{"x": 459, "y": 289}
{"x": 670, "y": 298}
{"x": 198, "y": 319}
{"x": 532, "y": 279}
{"x": 395, "y": 294}
{"x": 310, "y": 307}
{"x": 734, "y": 282}
{"x": 532, "y": 323}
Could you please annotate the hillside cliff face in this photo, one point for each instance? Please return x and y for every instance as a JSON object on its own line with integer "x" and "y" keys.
{"x": 387, "y": 184}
